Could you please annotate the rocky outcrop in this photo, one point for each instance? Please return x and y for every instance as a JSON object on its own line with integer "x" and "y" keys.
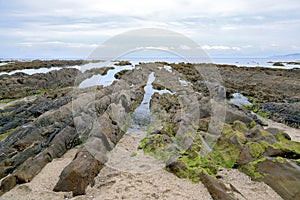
{"x": 79, "y": 174}
{"x": 104, "y": 134}
{"x": 243, "y": 144}
{"x": 196, "y": 133}
{"x": 288, "y": 113}
{"x": 35, "y": 64}
{"x": 21, "y": 85}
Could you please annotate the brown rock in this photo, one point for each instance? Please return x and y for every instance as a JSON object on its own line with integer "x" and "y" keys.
{"x": 245, "y": 156}
{"x": 216, "y": 189}
{"x": 79, "y": 173}
{"x": 7, "y": 184}
{"x": 284, "y": 178}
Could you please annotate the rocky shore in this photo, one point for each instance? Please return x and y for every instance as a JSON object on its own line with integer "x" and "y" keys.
{"x": 36, "y": 64}
{"x": 211, "y": 146}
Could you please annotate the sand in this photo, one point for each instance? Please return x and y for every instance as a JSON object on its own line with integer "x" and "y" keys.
{"x": 292, "y": 132}
{"x": 130, "y": 174}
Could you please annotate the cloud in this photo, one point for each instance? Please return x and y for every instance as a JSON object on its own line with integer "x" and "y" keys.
{"x": 57, "y": 44}
{"x": 221, "y": 48}
{"x": 228, "y": 25}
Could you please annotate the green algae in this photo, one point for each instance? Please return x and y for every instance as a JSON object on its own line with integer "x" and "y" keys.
{"x": 240, "y": 126}
{"x": 255, "y": 149}
{"x": 252, "y": 124}
{"x": 225, "y": 153}
{"x": 287, "y": 145}
{"x": 196, "y": 165}
{"x": 250, "y": 169}
{"x": 7, "y": 133}
{"x": 279, "y": 159}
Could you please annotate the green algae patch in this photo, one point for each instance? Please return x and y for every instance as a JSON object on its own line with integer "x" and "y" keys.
{"x": 279, "y": 159}
{"x": 189, "y": 163}
{"x": 133, "y": 154}
{"x": 6, "y": 100}
{"x": 250, "y": 169}
{"x": 240, "y": 126}
{"x": 255, "y": 149}
{"x": 265, "y": 133}
{"x": 288, "y": 146}
{"x": 241, "y": 138}
{"x": 265, "y": 144}
{"x": 252, "y": 124}
{"x": 228, "y": 132}
{"x": 156, "y": 145}
{"x": 7, "y": 133}
{"x": 225, "y": 153}
{"x": 197, "y": 165}
{"x": 169, "y": 129}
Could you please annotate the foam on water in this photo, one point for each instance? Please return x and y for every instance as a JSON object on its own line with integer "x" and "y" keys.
{"x": 239, "y": 100}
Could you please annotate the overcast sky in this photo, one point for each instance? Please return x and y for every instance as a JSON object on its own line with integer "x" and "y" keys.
{"x": 73, "y": 28}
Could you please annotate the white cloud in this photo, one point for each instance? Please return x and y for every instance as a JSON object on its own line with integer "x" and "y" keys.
{"x": 233, "y": 24}
{"x": 57, "y": 44}
{"x": 222, "y": 48}
{"x": 184, "y": 47}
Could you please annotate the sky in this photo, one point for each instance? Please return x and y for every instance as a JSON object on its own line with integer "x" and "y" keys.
{"x": 223, "y": 28}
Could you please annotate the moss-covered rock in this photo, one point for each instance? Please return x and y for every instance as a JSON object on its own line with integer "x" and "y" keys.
{"x": 255, "y": 149}
{"x": 252, "y": 124}
{"x": 250, "y": 169}
{"x": 279, "y": 159}
{"x": 225, "y": 153}
{"x": 240, "y": 126}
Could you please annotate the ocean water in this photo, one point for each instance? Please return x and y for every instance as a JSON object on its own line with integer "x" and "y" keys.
{"x": 159, "y": 55}
{"x": 254, "y": 62}
{"x": 141, "y": 118}
{"x": 105, "y": 80}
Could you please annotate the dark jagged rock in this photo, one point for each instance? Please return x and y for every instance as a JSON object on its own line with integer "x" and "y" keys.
{"x": 79, "y": 174}
{"x": 284, "y": 112}
{"x": 216, "y": 189}
{"x": 105, "y": 133}
{"x": 21, "y": 85}
{"x": 36, "y": 64}
{"x": 177, "y": 168}
{"x": 284, "y": 178}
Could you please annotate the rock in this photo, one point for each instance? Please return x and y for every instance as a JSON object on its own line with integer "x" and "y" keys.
{"x": 216, "y": 189}
{"x": 235, "y": 115}
{"x": 177, "y": 168}
{"x": 10, "y": 88}
{"x": 284, "y": 178}
{"x": 36, "y": 64}
{"x": 288, "y": 113}
{"x": 275, "y": 131}
{"x": 245, "y": 156}
{"x": 31, "y": 167}
{"x": 79, "y": 173}
{"x": 7, "y": 184}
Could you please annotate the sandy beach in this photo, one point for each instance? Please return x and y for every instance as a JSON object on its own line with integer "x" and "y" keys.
{"x": 135, "y": 177}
